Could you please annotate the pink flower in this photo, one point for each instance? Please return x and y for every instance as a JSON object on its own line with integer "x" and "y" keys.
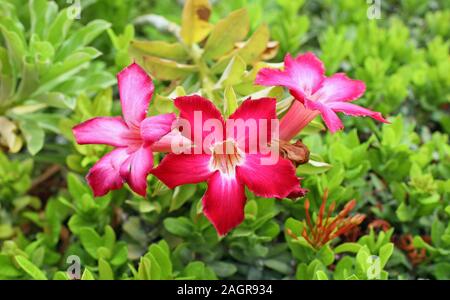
{"x": 227, "y": 172}
{"x": 132, "y": 136}
{"x": 305, "y": 79}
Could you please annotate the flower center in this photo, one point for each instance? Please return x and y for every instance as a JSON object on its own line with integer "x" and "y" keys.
{"x": 225, "y": 156}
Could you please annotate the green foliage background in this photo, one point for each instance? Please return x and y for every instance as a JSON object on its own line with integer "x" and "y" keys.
{"x": 56, "y": 71}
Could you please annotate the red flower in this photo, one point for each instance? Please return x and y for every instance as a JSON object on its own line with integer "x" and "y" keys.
{"x": 225, "y": 161}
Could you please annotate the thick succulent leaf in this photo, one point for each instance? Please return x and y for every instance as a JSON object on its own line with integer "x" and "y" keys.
{"x": 226, "y": 33}
{"x": 164, "y": 69}
{"x": 160, "y": 49}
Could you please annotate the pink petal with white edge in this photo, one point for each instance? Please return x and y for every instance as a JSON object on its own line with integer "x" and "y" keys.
{"x": 178, "y": 169}
{"x": 254, "y": 113}
{"x": 191, "y": 109}
{"x": 105, "y": 174}
{"x": 355, "y": 110}
{"x": 302, "y": 75}
{"x": 268, "y": 178}
{"x": 339, "y": 88}
{"x": 111, "y": 131}
{"x": 155, "y": 127}
{"x": 136, "y": 90}
{"x": 223, "y": 202}
{"x": 136, "y": 169}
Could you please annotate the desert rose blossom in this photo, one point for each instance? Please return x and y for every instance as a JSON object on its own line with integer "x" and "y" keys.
{"x": 305, "y": 78}
{"x": 226, "y": 162}
{"x": 132, "y": 136}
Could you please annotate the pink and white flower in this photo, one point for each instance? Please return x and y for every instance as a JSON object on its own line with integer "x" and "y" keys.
{"x": 305, "y": 78}
{"x": 227, "y": 172}
{"x": 132, "y": 136}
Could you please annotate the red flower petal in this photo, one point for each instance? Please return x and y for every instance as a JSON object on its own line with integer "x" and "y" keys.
{"x": 155, "y": 127}
{"x": 268, "y": 180}
{"x": 223, "y": 202}
{"x": 105, "y": 174}
{"x": 102, "y": 130}
{"x": 173, "y": 138}
{"x": 136, "y": 90}
{"x": 196, "y": 111}
{"x": 178, "y": 169}
{"x": 254, "y": 113}
{"x": 136, "y": 169}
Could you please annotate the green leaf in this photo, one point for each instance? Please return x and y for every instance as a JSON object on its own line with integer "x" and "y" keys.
{"x": 405, "y": 213}
{"x": 233, "y": 73}
{"x": 144, "y": 269}
{"x": 163, "y": 259}
{"x": 91, "y": 241}
{"x": 82, "y": 37}
{"x": 164, "y": 69}
{"x": 326, "y": 255}
{"x": 104, "y": 270}
{"x": 87, "y": 275}
{"x": 279, "y": 266}
{"x": 226, "y": 33}
{"x": 161, "y": 49}
{"x": 30, "y": 268}
{"x": 179, "y": 226}
{"x": 230, "y": 101}
{"x": 7, "y": 267}
{"x": 348, "y": 247}
{"x": 250, "y": 51}
{"x": 321, "y": 275}
{"x": 59, "y": 28}
{"x": 33, "y": 134}
{"x": 76, "y": 188}
{"x": 313, "y": 167}
{"x": 223, "y": 269}
{"x": 198, "y": 270}
{"x": 182, "y": 194}
{"x": 385, "y": 253}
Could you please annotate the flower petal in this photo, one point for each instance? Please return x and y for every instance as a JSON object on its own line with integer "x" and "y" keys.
{"x": 302, "y": 75}
{"x": 330, "y": 118}
{"x": 155, "y": 127}
{"x": 105, "y": 174}
{"x": 197, "y": 111}
{"x": 355, "y": 110}
{"x": 178, "y": 169}
{"x": 136, "y": 169}
{"x": 111, "y": 131}
{"x": 269, "y": 177}
{"x": 136, "y": 90}
{"x": 249, "y": 120}
{"x": 340, "y": 88}
{"x": 296, "y": 118}
{"x": 223, "y": 202}
{"x": 173, "y": 142}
